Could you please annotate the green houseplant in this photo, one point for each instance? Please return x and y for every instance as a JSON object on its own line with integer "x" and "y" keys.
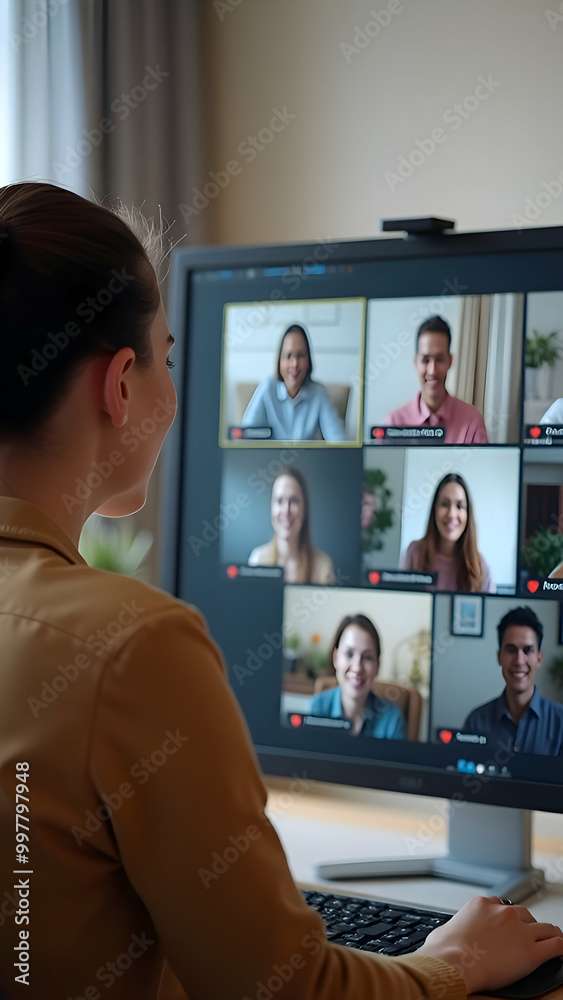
{"x": 383, "y": 518}
{"x": 542, "y": 352}
{"x": 114, "y": 547}
{"x": 542, "y": 551}
{"x": 292, "y": 650}
{"x": 542, "y": 349}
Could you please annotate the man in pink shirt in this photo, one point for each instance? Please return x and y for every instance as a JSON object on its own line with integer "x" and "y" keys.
{"x": 433, "y": 406}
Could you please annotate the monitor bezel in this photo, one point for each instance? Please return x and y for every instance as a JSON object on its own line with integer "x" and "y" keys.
{"x": 357, "y": 772}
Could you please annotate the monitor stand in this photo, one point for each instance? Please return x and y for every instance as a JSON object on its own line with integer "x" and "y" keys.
{"x": 487, "y": 845}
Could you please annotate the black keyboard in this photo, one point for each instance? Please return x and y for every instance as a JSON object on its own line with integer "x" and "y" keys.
{"x": 389, "y": 929}
{"x": 372, "y": 926}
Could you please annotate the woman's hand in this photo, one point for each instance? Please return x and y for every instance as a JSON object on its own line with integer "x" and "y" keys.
{"x": 493, "y": 944}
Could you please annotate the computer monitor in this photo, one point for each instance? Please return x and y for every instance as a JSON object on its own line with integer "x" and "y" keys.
{"x": 363, "y": 493}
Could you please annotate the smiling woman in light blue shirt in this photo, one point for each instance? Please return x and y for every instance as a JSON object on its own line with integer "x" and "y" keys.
{"x": 355, "y": 656}
{"x": 290, "y": 402}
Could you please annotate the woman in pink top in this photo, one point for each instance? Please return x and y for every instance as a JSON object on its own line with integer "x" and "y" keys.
{"x": 449, "y": 546}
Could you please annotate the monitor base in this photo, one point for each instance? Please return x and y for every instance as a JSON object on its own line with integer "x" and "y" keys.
{"x": 488, "y": 846}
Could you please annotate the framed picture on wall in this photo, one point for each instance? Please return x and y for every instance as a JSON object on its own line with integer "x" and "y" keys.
{"x": 468, "y": 614}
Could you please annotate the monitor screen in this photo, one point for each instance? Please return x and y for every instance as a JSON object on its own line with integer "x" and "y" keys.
{"x": 364, "y": 497}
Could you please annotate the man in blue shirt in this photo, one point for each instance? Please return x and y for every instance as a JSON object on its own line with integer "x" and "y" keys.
{"x": 520, "y": 718}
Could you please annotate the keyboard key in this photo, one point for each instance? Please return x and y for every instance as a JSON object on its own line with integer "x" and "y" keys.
{"x": 412, "y": 940}
{"x": 374, "y": 930}
{"x": 391, "y": 914}
{"x": 355, "y": 938}
{"x": 340, "y": 927}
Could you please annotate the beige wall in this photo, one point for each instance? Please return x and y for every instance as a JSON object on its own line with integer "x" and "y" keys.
{"x": 358, "y": 111}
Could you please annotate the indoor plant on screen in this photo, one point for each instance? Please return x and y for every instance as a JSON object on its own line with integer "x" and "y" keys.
{"x": 543, "y": 351}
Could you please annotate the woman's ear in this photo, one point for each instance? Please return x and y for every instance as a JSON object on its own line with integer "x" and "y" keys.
{"x": 116, "y": 388}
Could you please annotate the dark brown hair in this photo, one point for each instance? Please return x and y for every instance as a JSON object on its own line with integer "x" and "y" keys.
{"x": 470, "y": 568}
{"x": 361, "y": 621}
{"x": 75, "y": 281}
{"x": 434, "y": 324}
{"x": 305, "y": 547}
{"x": 295, "y": 328}
{"x": 523, "y": 616}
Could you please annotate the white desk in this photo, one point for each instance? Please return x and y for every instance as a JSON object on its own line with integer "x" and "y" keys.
{"x": 327, "y": 823}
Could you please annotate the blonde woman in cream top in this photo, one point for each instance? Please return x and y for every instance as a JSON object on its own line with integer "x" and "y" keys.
{"x": 291, "y": 545}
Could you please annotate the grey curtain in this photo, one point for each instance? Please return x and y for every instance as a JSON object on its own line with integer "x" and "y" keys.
{"x": 107, "y": 101}
{"x": 107, "y": 96}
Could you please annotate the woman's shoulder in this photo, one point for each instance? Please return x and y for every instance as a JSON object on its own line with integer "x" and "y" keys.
{"x": 266, "y": 386}
{"x": 323, "y": 569}
{"x": 554, "y": 413}
{"x": 486, "y": 575}
{"x": 411, "y": 552}
{"x": 324, "y": 700}
{"x": 318, "y": 389}
{"x": 262, "y": 555}
{"x": 114, "y": 606}
{"x": 385, "y": 706}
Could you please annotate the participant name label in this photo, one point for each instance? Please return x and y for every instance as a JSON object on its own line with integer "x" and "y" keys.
{"x": 540, "y": 585}
{"x": 387, "y": 434}
{"x": 297, "y": 720}
{"x": 400, "y": 578}
{"x": 543, "y": 435}
{"x": 250, "y": 433}
{"x": 236, "y": 571}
